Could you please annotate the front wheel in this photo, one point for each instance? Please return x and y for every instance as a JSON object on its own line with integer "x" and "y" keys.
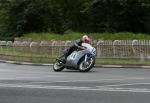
{"x": 58, "y": 66}
{"x": 86, "y": 66}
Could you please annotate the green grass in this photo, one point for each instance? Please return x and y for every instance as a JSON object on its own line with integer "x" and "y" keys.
{"x": 95, "y": 36}
{"x": 17, "y": 54}
{"x": 21, "y": 55}
{"x": 52, "y": 36}
{"x": 129, "y": 61}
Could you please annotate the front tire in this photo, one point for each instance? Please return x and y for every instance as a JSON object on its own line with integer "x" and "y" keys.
{"x": 57, "y": 66}
{"x": 86, "y": 66}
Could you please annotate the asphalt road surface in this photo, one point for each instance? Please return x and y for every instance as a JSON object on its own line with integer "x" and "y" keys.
{"x": 40, "y": 84}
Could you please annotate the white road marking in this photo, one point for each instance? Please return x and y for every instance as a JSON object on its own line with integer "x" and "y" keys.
{"x": 116, "y": 66}
{"x": 99, "y": 80}
{"x": 41, "y": 86}
{"x": 136, "y": 90}
{"x": 29, "y": 77}
{"x": 128, "y": 84}
{"x": 103, "y": 88}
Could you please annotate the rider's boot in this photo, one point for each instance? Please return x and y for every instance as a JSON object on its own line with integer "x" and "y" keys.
{"x": 64, "y": 60}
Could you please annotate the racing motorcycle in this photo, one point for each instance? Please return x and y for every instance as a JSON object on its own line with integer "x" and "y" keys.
{"x": 82, "y": 60}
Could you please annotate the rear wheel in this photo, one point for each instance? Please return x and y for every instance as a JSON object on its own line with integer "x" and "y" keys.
{"x": 58, "y": 66}
{"x": 85, "y": 66}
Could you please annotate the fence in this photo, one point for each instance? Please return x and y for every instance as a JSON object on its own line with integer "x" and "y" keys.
{"x": 123, "y": 49}
{"x": 46, "y": 51}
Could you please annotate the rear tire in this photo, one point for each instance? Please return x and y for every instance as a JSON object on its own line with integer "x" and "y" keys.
{"x": 57, "y": 66}
{"x": 83, "y": 67}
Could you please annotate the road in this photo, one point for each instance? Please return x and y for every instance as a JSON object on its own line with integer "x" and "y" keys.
{"x": 39, "y": 84}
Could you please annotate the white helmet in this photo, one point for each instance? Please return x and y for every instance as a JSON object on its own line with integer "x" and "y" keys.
{"x": 85, "y": 39}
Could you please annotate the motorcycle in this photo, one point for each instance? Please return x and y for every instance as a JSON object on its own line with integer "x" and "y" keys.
{"x": 82, "y": 60}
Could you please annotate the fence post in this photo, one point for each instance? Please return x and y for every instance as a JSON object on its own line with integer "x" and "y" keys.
{"x": 31, "y": 49}
{"x": 98, "y": 48}
{"x": 114, "y": 49}
{"x": 133, "y": 42}
{"x": 67, "y": 42}
{"x": 0, "y": 47}
{"x": 53, "y": 44}
{"x": 40, "y": 49}
{"x": 141, "y": 52}
{"x": 9, "y": 45}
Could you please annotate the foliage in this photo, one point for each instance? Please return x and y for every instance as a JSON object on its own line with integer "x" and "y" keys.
{"x": 94, "y": 36}
{"x": 24, "y": 16}
{"x": 120, "y": 15}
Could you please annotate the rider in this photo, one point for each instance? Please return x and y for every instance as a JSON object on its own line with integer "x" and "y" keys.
{"x": 77, "y": 45}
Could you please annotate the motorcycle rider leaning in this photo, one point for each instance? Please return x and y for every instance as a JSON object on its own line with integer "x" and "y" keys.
{"x": 77, "y": 45}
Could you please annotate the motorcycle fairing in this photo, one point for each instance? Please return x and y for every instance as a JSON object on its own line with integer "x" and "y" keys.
{"x": 73, "y": 58}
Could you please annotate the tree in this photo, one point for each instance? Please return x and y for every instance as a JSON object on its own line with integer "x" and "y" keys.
{"x": 120, "y": 15}
{"x": 23, "y": 16}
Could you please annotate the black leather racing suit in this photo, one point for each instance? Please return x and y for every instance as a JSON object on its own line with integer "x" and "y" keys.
{"x": 76, "y": 45}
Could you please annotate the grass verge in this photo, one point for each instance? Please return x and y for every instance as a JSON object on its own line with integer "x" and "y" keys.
{"x": 94, "y": 36}
{"x": 24, "y": 55}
